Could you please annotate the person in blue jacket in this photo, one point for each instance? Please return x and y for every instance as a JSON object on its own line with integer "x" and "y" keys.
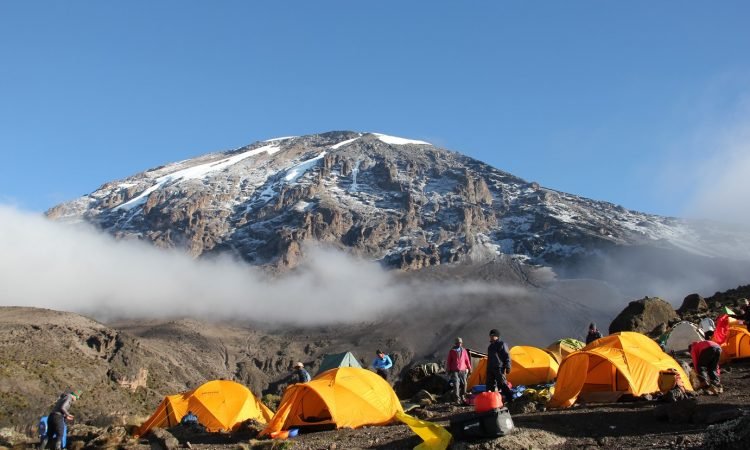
{"x": 300, "y": 375}
{"x": 382, "y": 363}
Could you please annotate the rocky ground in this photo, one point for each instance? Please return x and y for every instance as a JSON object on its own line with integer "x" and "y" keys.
{"x": 704, "y": 422}
{"x": 43, "y": 352}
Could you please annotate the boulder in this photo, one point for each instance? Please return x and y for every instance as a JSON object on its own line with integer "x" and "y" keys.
{"x": 693, "y": 303}
{"x": 644, "y": 316}
{"x": 408, "y": 386}
{"x": 424, "y": 398}
{"x": 110, "y": 439}
{"x": 161, "y": 439}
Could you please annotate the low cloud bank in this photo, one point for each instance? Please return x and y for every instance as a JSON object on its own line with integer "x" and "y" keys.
{"x": 77, "y": 268}
{"x": 723, "y": 188}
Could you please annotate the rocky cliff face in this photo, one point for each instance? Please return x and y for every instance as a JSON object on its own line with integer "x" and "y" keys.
{"x": 406, "y": 203}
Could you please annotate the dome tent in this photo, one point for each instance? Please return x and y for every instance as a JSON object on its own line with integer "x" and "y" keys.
{"x": 343, "y": 397}
{"x": 736, "y": 345}
{"x": 563, "y": 347}
{"x": 219, "y": 404}
{"x": 529, "y": 366}
{"x": 345, "y": 359}
{"x": 680, "y": 336}
{"x": 625, "y": 362}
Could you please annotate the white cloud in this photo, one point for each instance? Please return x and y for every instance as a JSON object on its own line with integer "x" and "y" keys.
{"x": 722, "y": 177}
{"x": 76, "y": 268}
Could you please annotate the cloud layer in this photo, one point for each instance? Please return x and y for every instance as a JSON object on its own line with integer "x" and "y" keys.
{"x": 76, "y": 268}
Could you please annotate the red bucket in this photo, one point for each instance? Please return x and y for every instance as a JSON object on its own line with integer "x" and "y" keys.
{"x": 487, "y": 401}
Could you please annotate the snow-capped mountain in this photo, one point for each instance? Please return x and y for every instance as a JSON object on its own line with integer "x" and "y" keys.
{"x": 404, "y": 202}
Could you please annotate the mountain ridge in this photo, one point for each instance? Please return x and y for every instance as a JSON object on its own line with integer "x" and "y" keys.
{"x": 403, "y": 202}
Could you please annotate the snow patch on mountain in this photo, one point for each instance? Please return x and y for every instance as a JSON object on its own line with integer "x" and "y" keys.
{"x": 285, "y": 138}
{"x": 193, "y": 172}
{"x": 297, "y": 171}
{"x": 341, "y": 144}
{"x": 395, "y": 140}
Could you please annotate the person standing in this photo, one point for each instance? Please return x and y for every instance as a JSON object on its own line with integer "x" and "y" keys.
{"x": 706, "y": 355}
{"x": 303, "y": 376}
{"x": 382, "y": 363}
{"x": 459, "y": 366}
{"x": 593, "y": 334}
{"x": 56, "y": 419}
{"x": 498, "y": 366}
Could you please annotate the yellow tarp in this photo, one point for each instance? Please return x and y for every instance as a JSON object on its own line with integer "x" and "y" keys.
{"x": 434, "y": 436}
{"x": 529, "y": 365}
{"x": 219, "y": 405}
{"x": 345, "y": 397}
{"x": 626, "y": 362}
{"x": 737, "y": 344}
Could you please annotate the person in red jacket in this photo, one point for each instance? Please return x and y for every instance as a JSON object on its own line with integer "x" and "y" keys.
{"x": 706, "y": 355}
{"x": 458, "y": 367}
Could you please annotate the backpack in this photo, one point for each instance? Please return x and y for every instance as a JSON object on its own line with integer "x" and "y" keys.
{"x": 43, "y": 426}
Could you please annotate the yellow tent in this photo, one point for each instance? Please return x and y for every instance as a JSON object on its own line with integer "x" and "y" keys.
{"x": 529, "y": 365}
{"x": 737, "y": 344}
{"x": 564, "y": 347}
{"x": 219, "y": 405}
{"x": 623, "y": 362}
{"x": 337, "y": 398}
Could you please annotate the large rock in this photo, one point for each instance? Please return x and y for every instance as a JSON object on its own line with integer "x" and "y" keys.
{"x": 693, "y": 303}
{"x": 644, "y": 316}
{"x": 161, "y": 439}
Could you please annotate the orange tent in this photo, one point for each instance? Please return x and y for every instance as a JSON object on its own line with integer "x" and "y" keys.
{"x": 737, "y": 344}
{"x": 219, "y": 405}
{"x": 624, "y": 362}
{"x": 529, "y": 365}
{"x": 337, "y": 398}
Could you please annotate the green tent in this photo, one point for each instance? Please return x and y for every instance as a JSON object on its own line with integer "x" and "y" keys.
{"x": 333, "y": 361}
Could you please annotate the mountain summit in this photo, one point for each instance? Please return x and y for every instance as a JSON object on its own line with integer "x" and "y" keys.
{"x": 404, "y": 202}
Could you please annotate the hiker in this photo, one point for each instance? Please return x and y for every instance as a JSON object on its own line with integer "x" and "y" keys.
{"x": 745, "y": 315}
{"x": 303, "y": 376}
{"x": 498, "y": 365}
{"x": 56, "y": 419}
{"x": 593, "y": 334}
{"x": 706, "y": 355}
{"x": 458, "y": 366}
{"x": 189, "y": 420}
{"x": 382, "y": 363}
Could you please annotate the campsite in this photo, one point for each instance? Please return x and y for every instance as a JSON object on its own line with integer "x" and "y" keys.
{"x": 334, "y": 225}
{"x": 603, "y": 394}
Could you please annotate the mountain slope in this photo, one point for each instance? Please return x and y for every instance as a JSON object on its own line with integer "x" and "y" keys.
{"x": 403, "y": 202}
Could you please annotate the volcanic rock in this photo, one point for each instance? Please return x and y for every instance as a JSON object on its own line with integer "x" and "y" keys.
{"x": 693, "y": 303}
{"x": 644, "y": 316}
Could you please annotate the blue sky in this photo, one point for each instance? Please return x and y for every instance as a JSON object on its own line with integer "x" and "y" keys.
{"x": 619, "y": 101}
